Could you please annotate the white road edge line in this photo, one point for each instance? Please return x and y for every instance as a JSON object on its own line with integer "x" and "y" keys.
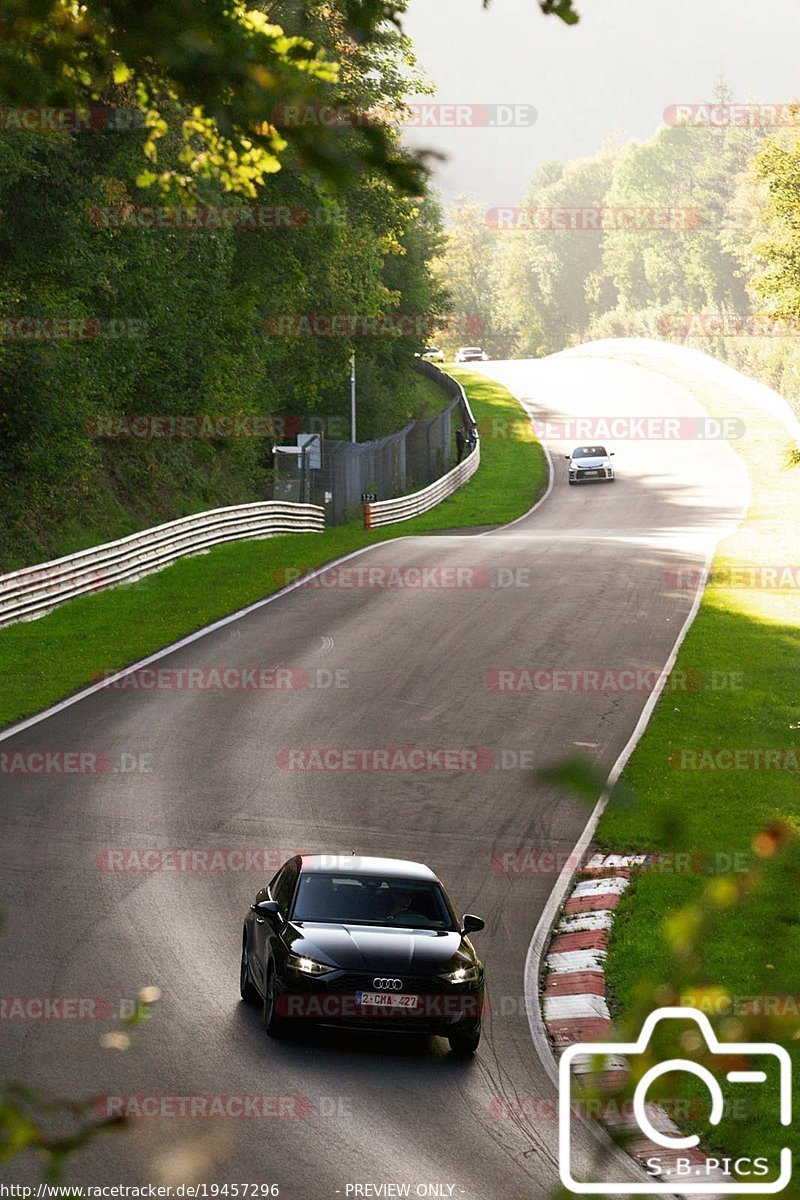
{"x": 93, "y": 688}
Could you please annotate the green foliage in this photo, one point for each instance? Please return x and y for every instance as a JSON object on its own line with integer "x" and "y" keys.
{"x": 719, "y": 926}
{"x": 211, "y": 74}
{"x": 178, "y": 323}
{"x": 692, "y": 224}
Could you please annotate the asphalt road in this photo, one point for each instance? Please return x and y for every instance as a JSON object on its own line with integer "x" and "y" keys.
{"x": 586, "y": 582}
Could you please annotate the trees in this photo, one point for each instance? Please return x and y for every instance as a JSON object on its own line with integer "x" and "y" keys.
{"x": 210, "y": 73}
{"x": 551, "y": 278}
{"x": 178, "y": 312}
{"x": 215, "y": 74}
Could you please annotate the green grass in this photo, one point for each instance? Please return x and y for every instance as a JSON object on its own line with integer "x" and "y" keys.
{"x": 726, "y": 924}
{"x": 43, "y": 661}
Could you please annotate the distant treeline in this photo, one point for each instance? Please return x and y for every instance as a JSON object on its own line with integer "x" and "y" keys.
{"x": 692, "y": 235}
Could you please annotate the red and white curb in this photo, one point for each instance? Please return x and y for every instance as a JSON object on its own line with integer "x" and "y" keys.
{"x": 575, "y": 1008}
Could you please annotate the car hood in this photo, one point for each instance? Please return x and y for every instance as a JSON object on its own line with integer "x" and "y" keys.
{"x": 363, "y": 948}
{"x": 591, "y": 462}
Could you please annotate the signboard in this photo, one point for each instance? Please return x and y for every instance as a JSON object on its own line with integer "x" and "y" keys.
{"x": 369, "y": 497}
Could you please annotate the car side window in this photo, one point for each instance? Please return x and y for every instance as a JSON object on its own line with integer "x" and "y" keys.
{"x": 282, "y": 886}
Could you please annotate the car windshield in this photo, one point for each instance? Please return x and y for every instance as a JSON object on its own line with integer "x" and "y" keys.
{"x": 371, "y": 900}
{"x": 431, "y": 350}
{"x": 590, "y": 452}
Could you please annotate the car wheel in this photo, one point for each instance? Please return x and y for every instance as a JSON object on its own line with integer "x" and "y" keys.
{"x": 464, "y": 1043}
{"x": 246, "y": 988}
{"x": 273, "y": 1025}
{"x": 571, "y": 482}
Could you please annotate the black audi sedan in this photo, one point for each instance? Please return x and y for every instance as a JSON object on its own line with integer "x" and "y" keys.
{"x": 370, "y": 943}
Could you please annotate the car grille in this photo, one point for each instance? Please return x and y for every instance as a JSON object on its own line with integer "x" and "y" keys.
{"x": 412, "y": 985}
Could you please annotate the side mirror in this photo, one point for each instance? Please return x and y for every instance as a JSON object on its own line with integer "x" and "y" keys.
{"x": 267, "y": 910}
{"x": 472, "y": 924}
{"x": 567, "y": 457}
{"x": 611, "y": 455}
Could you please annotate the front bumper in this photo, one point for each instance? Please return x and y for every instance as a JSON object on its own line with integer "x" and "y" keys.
{"x": 594, "y": 475}
{"x": 442, "y": 1008}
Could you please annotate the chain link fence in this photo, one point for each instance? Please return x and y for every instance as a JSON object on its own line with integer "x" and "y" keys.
{"x": 353, "y": 473}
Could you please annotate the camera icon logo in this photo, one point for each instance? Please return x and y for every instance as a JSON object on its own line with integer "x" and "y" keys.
{"x": 682, "y": 1176}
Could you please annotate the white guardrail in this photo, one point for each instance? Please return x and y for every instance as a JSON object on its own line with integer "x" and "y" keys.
{"x": 388, "y": 512}
{"x": 34, "y": 591}
{"x": 403, "y": 508}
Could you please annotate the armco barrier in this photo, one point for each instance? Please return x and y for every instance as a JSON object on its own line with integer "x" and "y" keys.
{"x": 387, "y": 512}
{"x": 403, "y": 508}
{"x": 34, "y": 591}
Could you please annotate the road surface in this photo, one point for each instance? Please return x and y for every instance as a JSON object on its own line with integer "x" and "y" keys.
{"x": 585, "y": 582}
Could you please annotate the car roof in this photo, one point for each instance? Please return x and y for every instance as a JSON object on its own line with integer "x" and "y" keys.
{"x": 360, "y": 865}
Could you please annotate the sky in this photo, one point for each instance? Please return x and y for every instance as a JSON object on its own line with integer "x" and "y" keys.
{"x": 615, "y": 72}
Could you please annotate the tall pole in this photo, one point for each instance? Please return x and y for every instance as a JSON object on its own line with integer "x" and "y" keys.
{"x": 353, "y": 396}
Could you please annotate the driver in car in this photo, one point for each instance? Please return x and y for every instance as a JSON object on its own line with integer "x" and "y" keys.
{"x": 403, "y": 903}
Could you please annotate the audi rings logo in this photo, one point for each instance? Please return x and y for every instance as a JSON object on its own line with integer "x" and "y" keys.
{"x": 388, "y": 985}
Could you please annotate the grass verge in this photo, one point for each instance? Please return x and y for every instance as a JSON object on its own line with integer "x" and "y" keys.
{"x": 45, "y": 660}
{"x": 717, "y": 926}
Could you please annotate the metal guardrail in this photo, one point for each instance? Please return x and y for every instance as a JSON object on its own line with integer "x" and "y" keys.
{"x": 388, "y": 512}
{"x": 449, "y": 385}
{"x": 403, "y": 508}
{"x": 34, "y": 591}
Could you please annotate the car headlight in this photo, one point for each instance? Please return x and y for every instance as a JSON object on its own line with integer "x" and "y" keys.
{"x": 309, "y": 966}
{"x": 469, "y": 974}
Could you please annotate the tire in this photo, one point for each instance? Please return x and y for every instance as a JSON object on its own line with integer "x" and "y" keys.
{"x": 274, "y": 1026}
{"x": 464, "y": 1044}
{"x": 246, "y": 989}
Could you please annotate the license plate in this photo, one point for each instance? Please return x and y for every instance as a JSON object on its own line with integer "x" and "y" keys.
{"x": 593, "y": 472}
{"x": 386, "y": 1000}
